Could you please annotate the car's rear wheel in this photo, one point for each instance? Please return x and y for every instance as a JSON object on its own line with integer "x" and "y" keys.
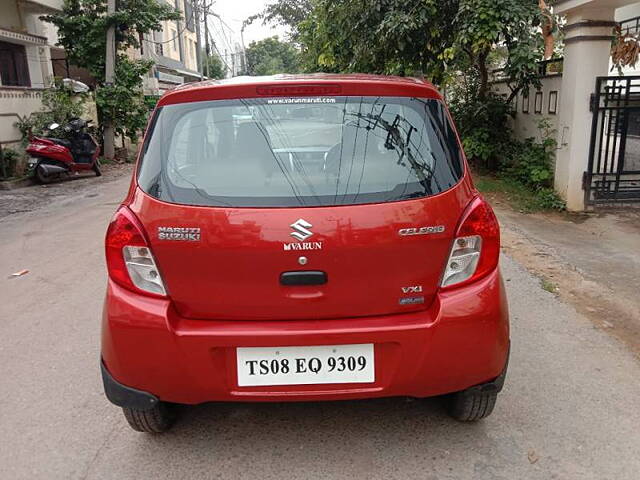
{"x": 155, "y": 420}
{"x": 473, "y": 404}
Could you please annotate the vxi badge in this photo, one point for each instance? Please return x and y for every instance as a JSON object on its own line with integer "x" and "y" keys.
{"x": 301, "y": 233}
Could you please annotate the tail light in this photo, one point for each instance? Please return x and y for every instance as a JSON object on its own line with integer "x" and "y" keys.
{"x": 129, "y": 259}
{"x": 476, "y": 246}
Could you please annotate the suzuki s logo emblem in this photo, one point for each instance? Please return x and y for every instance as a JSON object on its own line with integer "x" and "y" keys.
{"x": 301, "y": 228}
{"x": 301, "y": 233}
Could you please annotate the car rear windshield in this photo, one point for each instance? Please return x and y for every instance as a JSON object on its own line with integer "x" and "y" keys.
{"x": 290, "y": 152}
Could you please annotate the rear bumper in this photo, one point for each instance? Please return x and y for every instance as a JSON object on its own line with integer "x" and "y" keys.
{"x": 461, "y": 341}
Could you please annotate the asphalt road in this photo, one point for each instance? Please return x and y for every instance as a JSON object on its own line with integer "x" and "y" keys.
{"x": 569, "y": 409}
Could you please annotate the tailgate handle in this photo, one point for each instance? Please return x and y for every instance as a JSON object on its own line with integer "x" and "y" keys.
{"x": 303, "y": 277}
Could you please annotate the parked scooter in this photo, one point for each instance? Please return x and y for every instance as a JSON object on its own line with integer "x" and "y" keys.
{"x": 50, "y": 157}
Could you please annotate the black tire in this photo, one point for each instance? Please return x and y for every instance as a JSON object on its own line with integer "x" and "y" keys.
{"x": 96, "y": 168}
{"x": 473, "y": 404}
{"x": 157, "y": 420}
{"x": 41, "y": 177}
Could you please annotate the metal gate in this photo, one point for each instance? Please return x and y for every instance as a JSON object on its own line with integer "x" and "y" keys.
{"x": 613, "y": 174}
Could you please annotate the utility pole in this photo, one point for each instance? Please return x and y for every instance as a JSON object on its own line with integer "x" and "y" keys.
{"x": 206, "y": 42}
{"x": 233, "y": 64}
{"x": 196, "y": 12}
{"x": 243, "y": 59}
{"x": 109, "y": 78}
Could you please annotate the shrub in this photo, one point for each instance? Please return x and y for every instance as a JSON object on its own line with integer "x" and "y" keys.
{"x": 548, "y": 199}
{"x": 531, "y": 162}
{"x": 482, "y": 124}
{"x": 8, "y": 163}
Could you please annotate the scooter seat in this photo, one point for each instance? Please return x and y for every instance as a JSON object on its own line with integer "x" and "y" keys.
{"x": 61, "y": 141}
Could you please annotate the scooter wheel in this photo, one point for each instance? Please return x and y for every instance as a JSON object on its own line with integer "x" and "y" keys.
{"x": 41, "y": 176}
{"x": 96, "y": 168}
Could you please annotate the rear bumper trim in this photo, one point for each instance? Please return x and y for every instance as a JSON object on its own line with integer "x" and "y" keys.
{"x": 124, "y": 396}
{"x": 496, "y": 384}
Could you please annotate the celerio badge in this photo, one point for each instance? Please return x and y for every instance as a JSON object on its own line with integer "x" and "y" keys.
{"x": 301, "y": 233}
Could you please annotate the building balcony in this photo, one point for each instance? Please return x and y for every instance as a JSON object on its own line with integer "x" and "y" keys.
{"x": 21, "y": 38}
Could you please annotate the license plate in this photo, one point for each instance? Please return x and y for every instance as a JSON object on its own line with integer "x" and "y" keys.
{"x": 263, "y": 366}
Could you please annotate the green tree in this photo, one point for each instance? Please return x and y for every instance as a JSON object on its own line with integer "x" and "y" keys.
{"x": 439, "y": 38}
{"x": 290, "y": 13}
{"x": 482, "y": 26}
{"x": 271, "y": 56}
{"x": 379, "y": 36}
{"x": 82, "y": 27}
{"x": 213, "y": 66}
{"x": 123, "y": 102}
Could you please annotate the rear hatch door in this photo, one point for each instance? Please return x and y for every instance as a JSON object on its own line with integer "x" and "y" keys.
{"x": 378, "y": 259}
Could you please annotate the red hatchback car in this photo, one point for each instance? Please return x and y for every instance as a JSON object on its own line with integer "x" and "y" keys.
{"x": 302, "y": 238}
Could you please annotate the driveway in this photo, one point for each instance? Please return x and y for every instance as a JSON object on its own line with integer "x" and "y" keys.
{"x": 568, "y": 411}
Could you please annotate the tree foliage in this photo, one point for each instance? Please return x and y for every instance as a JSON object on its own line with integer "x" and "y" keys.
{"x": 290, "y": 13}
{"x": 482, "y": 124}
{"x": 82, "y": 28}
{"x": 483, "y": 25}
{"x": 439, "y": 38}
{"x": 123, "y": 102}
{"x": 271, "y": 56}
{"x": 213, "y": 66}
{"x": 379, "y": 36}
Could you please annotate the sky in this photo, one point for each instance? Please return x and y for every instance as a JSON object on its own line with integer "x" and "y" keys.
{"x": 233, "y": 13}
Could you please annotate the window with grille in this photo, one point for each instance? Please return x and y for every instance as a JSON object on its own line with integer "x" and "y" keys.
{"x": 14, "y": 70}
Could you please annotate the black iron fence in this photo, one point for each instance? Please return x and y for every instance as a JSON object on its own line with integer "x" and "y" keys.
{"x": 613, "y": 174}
{"x": 631, "y": 25}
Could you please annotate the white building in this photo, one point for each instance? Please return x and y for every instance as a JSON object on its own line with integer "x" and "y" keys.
{"x": 174, "y": 51}
{"x": 25, "y": 60}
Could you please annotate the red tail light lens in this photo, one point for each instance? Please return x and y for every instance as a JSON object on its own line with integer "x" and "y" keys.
{"x": 476, "y": 248}
{"x": 295, "y": 90}
{"x": 129, "y": 259}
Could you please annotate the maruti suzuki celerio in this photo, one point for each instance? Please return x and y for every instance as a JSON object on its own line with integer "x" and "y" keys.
{"x": 302, "y": 238}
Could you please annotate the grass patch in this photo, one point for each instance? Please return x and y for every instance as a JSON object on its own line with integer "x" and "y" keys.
{"x": 517, "y": 195}
{"x": 548, "y": 286}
